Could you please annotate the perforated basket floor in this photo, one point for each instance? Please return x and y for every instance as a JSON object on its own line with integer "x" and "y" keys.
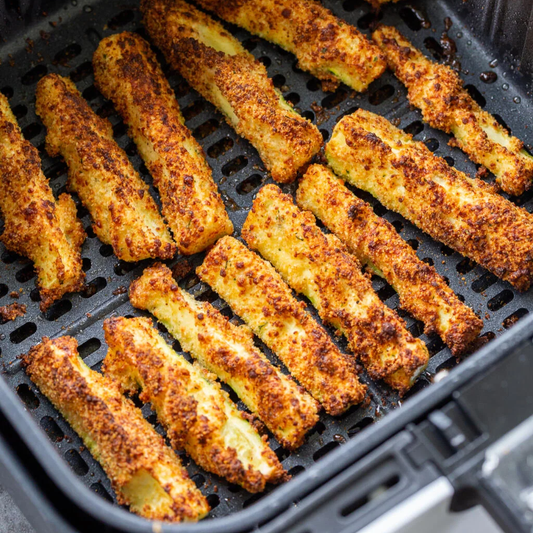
{"x": 64, "y": 42}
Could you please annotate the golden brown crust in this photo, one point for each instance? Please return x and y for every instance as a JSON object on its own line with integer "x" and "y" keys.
{"x": 198, "y": 416}
{"x": 375, "y": 243}
{"x": 463, "y": 213}
{"x": 36, "y": 225}
{"x": 256, "y": 292}
{"x": 115, "y": 432}
{"x": 438, "y": 92}
{"x": 219, "y": 68}
{"x": 123, "y": 212}
{"x": 126, "y": 72}
{"x": 319, "y": 267}
{"x": 325, "y": 45}
{"x": 229, "y": 352}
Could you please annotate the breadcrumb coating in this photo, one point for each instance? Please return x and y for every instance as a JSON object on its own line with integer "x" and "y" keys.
{"x": 36, "y": 225}
{"x": 319, "y": 267}
{"x": 222, "y": 71}
{"x": 228, "y": 351}
{"x": 438, "y": 92}
{"x": 126, "y": 72}
{"x": 197, "y": 414}
{"x": 144, "y": 472}
{"x": 326, "y": 46}
{"x": 376, "y": 244}
{"x": 124, "y": 214}
{"x": 256, "y": 292}
{"x": 405, "y": 176}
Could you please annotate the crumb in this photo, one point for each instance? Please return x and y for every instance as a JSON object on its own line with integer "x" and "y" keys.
{"x": 29, "y": 46}
{"x": 482, "y": 173}
{"x": 14, "y": 294}
{"x": 320, "y": 113}
{"x": 12, "y": 311}
{"x": 181, "y": 270}
{"x": 120, "y": 290}
{"x": 255, "y": 422}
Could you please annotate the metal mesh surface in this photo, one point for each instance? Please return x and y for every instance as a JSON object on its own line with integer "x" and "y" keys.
{"x": 64, "y": 42}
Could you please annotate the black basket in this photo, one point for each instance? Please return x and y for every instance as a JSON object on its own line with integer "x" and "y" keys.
{"x": 42, "y": 37}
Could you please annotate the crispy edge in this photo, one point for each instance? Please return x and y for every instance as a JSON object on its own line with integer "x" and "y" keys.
{"x": 45, "y": 230}
{"x": 463, "y": 213}
{"x": 126, "y": 71}
{"x": 326, "y": 46}
{"x": 122, "y": 210}
{"x": 438, "y": 91}
{"x": 278, "y": 401}
{"x": 113, "y": 429}
{"x": 257, "y": 293}
{"x": 375, "y": 242}
{"x": 319, "y": 266}
{"x": 237, "y": 84}
{"x": 172, "y": 389}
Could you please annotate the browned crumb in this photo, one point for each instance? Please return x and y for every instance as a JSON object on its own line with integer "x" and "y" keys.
{"x": 12, "y": 311}
{"x": 181, "y": 270}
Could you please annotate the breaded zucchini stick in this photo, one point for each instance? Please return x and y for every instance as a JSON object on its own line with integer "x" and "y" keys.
{"x": 229, "y": 352}
{"x": 36, "y": 225}
{"x": 144, "y": 472}
{"x": 319, "y": 267}
{"x": 197, "y": 414}
{"x": 220, "y": 69}
{"x": 438, "y": 92}
{"x": 405, "y": 176}
{"x": 376, "y": 244}
{"x": 325, "y": 45}
{"x": 124, "y": 214}
{"x": 126, "y": 72}
{"x": 256, "y": 292}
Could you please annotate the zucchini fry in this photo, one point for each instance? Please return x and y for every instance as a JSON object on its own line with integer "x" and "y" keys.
{"x": 229, "y": 352}
{"x": 127, "y": 73}
{"x": 405, "y": 176}
{"x": 197, "y": 414}
{"x": 124, "y": 214}
{"x": 376, "y": 244}
{"x": 319, "y": 267}
{"x": 325, "y": 45}
{"x": 438, "y": 92}
{"x": 256, "y": 292}
{"x": 220, "y": 69}
{"x": 36, "y": 225}
{"x": 144, "y": 472}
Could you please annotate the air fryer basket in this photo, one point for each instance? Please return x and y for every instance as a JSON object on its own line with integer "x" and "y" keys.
{"x": 42, "y": 37}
